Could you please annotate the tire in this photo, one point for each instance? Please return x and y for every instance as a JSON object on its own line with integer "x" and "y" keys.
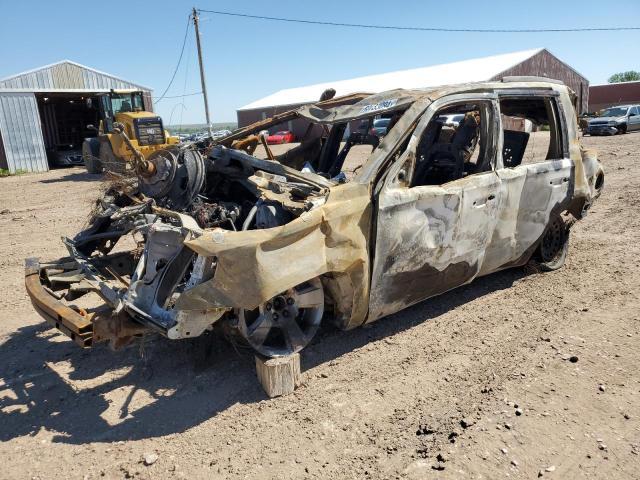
{"x": 598, "y": 184}
{"x": 108, "y": 159}
{"x": 622, "y": 129}
{"x": 554, "y": 246}
{"x": 91, "y": 161}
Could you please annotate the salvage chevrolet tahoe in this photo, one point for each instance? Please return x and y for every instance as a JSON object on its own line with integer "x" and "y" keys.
{"x": 269, "y": 247}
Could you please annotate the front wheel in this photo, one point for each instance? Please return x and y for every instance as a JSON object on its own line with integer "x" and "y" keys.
{"x": 553, "y": 249}
{"x": 622, "y": 129}
{"x": 286, "y": 323}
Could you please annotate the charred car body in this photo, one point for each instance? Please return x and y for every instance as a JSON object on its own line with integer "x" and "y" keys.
{"x": 268, "y": 247}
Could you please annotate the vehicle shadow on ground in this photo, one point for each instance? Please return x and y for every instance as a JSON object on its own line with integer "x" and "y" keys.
{"x": 76, "y": 175}
{"x": 50, "y": 384}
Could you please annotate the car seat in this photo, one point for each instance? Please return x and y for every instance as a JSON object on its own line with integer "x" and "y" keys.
{"x": 514, "y": 146}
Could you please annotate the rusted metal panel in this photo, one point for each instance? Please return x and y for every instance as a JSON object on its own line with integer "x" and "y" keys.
{"x": 71, "y": 322}
{"x": 22, "y": 133}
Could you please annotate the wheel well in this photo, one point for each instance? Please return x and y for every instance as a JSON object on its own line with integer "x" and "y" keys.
{"x": 599, "y": 182}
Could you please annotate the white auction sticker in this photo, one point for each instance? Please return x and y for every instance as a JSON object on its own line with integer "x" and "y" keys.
{"x": 383, "y": 105}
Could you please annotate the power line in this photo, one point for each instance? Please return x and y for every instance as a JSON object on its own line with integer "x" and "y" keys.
{"x": 184, "y": 95}
{"x": 421, "y": 29}
{"x": 184, "y": 86}
{"x": 184, "y": 42}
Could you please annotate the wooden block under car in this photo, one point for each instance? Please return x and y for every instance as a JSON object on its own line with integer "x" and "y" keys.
{"x": 279, "y": 376}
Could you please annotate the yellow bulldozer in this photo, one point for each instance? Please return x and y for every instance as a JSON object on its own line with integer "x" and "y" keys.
{"x": 125, "y": 131}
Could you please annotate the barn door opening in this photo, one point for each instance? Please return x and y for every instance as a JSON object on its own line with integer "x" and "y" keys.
{"x": 64, "y": 119}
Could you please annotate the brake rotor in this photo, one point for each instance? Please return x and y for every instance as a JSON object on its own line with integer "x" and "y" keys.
{"x": 188, "y": 181}
{"x": 158, "y": 184}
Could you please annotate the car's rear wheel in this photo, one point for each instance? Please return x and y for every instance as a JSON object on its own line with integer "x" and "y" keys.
{"x": 286, "y": 323}
{"x": 554, "y": 246}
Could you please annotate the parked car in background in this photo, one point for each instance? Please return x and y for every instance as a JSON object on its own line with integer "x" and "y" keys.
{"x": 613, "y": 120}
{"x": 283, "y": 136}
{"x": 380, "y": 127}
{"x": 220, "y": 133}
{"x": 65, "y": 156}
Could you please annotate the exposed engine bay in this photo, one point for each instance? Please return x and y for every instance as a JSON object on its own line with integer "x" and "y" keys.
{"x": 186, "y": 194}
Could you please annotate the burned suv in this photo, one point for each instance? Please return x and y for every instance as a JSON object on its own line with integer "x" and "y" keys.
{"x": 349, "y": 228}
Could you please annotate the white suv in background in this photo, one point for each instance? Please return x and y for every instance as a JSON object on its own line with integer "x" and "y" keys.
{"x": 612, "y": 120}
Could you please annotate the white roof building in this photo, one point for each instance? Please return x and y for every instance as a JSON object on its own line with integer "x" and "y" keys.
{"x": 474, "y": 70}
{"x": 535, "y": 62}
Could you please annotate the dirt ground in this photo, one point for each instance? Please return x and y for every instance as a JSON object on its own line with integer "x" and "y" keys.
{"x": 477, "y": 383}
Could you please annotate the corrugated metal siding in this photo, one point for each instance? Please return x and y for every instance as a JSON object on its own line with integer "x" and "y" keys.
{"x": 21, "y": 133}
{"x": 40, "y": 79}
{"x": 66, "y": 76}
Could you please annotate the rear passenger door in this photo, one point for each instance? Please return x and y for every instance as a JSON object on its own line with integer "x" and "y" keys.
{"x": 535, "y": 170}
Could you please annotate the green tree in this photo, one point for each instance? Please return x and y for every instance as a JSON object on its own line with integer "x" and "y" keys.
{"x": 630, "y": 76}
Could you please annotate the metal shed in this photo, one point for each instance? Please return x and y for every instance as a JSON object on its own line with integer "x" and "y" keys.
{"x": 48, "y": 108}
{"x": 537, "y": 62}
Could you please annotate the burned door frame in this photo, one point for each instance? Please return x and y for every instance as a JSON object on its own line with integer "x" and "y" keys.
{"x": 431, "y": 238}
{"x": 530, "y": 194}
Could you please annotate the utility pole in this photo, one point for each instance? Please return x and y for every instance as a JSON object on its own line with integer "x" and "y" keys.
{"x": 202, "y": 80}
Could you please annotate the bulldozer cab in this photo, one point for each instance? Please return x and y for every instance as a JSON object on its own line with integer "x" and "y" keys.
{"x": 114, "y": 102}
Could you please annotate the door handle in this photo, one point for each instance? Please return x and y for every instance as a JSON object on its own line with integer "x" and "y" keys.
{"x": 491, "y": 197}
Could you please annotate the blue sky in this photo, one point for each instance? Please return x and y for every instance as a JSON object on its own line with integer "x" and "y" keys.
{"x": 248, "y": 59}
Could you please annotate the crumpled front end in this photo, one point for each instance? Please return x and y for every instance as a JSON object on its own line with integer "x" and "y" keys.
{"x": 115, "y": 295}
{"x": 238, "y": 235}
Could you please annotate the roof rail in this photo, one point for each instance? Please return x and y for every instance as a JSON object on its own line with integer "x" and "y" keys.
{"x": 531, "y": 78}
